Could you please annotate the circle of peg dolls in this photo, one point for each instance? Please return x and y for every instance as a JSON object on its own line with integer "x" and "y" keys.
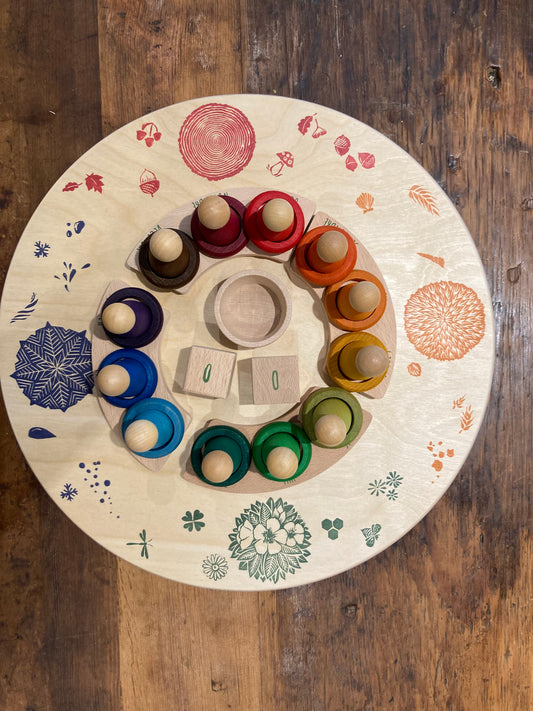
{"x": 252, "y": 310}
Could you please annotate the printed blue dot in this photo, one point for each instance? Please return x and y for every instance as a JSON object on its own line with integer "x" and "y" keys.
{"x": 81, "y": 465}
{"x": 107, "y": 482}
{"x": 102, "y": 501}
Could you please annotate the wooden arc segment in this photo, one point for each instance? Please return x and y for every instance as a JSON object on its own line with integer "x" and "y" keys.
{"x": 102, "y": 347}
{"x": 253, "y": 482}
{"x": 181, "y": 217}
{"x": 383, "y": 327}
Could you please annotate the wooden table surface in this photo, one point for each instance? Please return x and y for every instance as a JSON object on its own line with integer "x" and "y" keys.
{"x": 441, "y": 620}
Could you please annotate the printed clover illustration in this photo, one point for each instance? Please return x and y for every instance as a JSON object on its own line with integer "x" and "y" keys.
{"x": 332, "y": 527}
{"x": 270, "y": 540}
{"x": 193, "y": 520}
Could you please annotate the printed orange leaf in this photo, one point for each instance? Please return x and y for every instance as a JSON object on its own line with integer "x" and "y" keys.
{"x": 437, "y": 260}
{"x": 94, "y": 182}
{"x": 424, "y": 198}
{"x": 365, "y": 201}
{"x": 467, "y": 420}
{"x": 459, "y": 402}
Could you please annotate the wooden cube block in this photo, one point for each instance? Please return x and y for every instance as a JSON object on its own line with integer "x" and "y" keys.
{"x": 275, "y": 380}
{"x": 209, "y": 372}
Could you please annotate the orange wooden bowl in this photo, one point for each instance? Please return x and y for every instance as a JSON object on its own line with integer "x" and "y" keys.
{"x": 332, "y": 309}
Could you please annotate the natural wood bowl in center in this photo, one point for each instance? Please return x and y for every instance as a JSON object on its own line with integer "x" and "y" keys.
{"x": 252, "y": 309}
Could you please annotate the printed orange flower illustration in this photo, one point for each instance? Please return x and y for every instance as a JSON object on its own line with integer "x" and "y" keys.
{"x": 444, "y": 320}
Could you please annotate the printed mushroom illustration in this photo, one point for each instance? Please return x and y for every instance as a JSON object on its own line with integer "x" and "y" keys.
{"x": 285, "y": 159}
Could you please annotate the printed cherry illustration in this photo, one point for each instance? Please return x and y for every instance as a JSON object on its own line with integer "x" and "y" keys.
{"x": 149, "y": 133}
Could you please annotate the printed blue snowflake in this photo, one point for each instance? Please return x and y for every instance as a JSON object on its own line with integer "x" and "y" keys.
{"x": 41, "y": 249}
{"x": 53, "y": 367}
{"x": 69, "y": 492}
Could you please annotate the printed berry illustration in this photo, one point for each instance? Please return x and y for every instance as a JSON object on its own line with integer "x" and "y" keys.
{"x": 148, "y": 182}
{"x": 215, "y": 566}
{"x": 444, "y": 320}
{"x": 286, "y": 160}
{"x": 216, "y": 141}
{"x": 148, "y": 133}
{"x": 53, "y": 367}
{"x": 270, "y": 540}
{"x": 332, "y": 527}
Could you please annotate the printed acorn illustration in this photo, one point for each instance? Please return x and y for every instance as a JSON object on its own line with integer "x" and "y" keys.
{"x": 149, "y": 183}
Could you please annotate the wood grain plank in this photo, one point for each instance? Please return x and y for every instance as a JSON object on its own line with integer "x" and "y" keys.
{"x": 180, "y": 647}
{"x": 157, "y": 54}
{"x": 58, "y": 616}
{"x": 433, "y": 614}
{"x": 442, "y": 620}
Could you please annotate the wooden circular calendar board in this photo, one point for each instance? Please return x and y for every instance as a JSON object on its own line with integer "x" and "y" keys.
{"x": 421, "y": 430}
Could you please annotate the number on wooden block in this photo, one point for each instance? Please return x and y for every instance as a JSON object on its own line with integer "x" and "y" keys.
{"x": 209, "y": 372}
{"x": 275, "y": 380}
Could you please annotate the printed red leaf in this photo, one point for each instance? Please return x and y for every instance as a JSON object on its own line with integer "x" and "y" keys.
{"x": 149, "y": 140}
{"x": 141, "y": 135}
{"x": 157, "y": 135}
{"x": 367, "y": 160}
{"x": 304, "y": 124}
{"x": 94, "y": 182}
{"x": 351, "y": 163}
{"x": 69, "y": 187}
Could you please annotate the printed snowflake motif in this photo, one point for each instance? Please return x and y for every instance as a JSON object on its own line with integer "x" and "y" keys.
{"x": 394, "y": 479}
{"x": 69, "y": 492}
{"x": 392, "y": 494}
{"x": 41, "y": 249}
{"x": 270, "y": 540}
{"x": 192, "y": 521}
{"x": 53, "y": 367}
{"x": 215, "y": 566}
{"x": 377, "y": 487}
